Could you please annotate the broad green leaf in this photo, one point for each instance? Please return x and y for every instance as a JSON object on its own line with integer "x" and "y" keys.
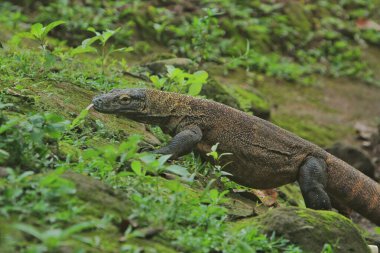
{"x": 136, "y": 167}
{"x": 92, "y": 29}
{"x": 162, "y": 160}
{"x": 195, "y": 89}
{"x": 108, "y": 34}
{"x": 148, "y": 158}
{"x": 82, "y": 50}
{"x": 88, "y": 42}
{"x": 156, "y": 81}
{"x": 178, "y": 170}
{"x": 51, "y": 26}
{"x": 36, "y": 30}
{"x": 200, "y": 76}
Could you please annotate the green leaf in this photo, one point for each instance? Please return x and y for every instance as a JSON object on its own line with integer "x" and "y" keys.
{"x": 79, "y": 118}
{"x": 136, "y": 167}
{"x": 82, "y": 50}
{"x": 123, "y": 49}
{"x": 92, "y": 29}
{"x": 36, "y": 30}
{"x": 162, "y": 160}
{"x": 90, "y": 41}
{"x": 195, "y": 89}
{"x": 178, "y": 170}
{"x": 51, "y": 26}
{"x": 200, "y": 76}
{"x": 108, "y": 34}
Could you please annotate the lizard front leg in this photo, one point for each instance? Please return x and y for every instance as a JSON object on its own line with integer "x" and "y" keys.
{"x": 182, "y": 143}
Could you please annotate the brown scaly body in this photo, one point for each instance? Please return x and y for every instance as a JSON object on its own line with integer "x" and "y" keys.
{"x": 263, "y": 154}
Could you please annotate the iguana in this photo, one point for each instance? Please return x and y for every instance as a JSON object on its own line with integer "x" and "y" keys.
{"x": 263, "y": 154}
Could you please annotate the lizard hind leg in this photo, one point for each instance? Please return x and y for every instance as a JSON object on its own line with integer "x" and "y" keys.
{"x": 312, "y": 179}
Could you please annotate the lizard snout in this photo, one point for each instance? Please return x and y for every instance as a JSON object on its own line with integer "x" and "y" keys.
{"x": 98, "y": 102}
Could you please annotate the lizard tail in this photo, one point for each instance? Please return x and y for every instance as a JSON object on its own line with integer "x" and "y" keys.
{"x": 353, "y": 189}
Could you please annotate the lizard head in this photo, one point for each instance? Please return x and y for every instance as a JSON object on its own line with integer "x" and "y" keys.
{"x": 126, "y": 102}
{"x": 143, "y": 105}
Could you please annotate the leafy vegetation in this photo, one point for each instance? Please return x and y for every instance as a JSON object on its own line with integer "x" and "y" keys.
{"x": 44, "y": 134}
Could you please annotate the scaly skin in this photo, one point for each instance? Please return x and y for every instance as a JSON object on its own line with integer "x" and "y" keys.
{"x": 263, "y": 154}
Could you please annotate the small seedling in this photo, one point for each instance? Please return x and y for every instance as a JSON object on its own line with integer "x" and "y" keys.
{"x": 177, "y": 80}
{"x": 103, "y": 51}
{"x": 39, "y": 33}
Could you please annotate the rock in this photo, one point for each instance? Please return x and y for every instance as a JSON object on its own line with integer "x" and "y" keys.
{"x": 159, "y": 67}
{"x": 253, "y": 101}
{"x": 353, "y": 156}
{"x": 236, "y": 97}
{"x": 364, "y": 132}
{"x": 311, "y": 229}
{"x": 217, "y": 92}
{"x": 100, "y": 195}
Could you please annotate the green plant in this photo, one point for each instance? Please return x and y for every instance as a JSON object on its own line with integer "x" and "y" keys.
{"x": 26, "y": 141}
{"x": 39, "y": 33}
{"x": 104, "y": 52}
{"x": 218, "y": 168}
{"x": 177, "y": 80}
{"x": 197, "y": 38}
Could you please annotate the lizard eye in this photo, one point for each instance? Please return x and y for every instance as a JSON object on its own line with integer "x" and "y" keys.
{"x": 125, "y": 99}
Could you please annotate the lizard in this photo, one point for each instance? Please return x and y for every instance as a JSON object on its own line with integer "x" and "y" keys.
{"x": 264, "y": 155}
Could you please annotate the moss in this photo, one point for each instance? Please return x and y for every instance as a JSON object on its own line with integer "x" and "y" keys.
{"x": 309, "y": 129}
{"x": 69, "y": 100}
{"x": 218, "y": 92}
{"x": 66, "y": 149}
{"x": 102, "y": 197}
{"x": 290, "y": 194}
{"x": 252, "y": 101}
{"x": 309, "y": 229}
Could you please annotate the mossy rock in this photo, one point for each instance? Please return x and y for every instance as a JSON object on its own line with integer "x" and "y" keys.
{"x": 69, "y": 100}
{"x": 290, "y": 195}
{"x": 253, "y": 102}
{"x": 100, "y": 195}
{"x": 311, "y": 229}
{"x": 237, "y": 97}
{"x": 217, "y": 92}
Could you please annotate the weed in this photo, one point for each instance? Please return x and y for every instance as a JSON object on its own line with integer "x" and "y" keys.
{"x": 177, "y": 80}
